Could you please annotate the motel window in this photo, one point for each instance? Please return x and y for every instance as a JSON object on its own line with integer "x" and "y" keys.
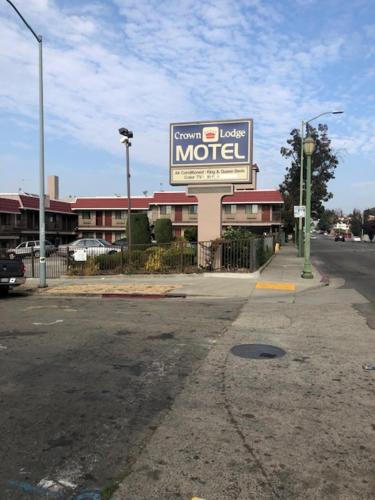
{"x": 230, "y": 209}
{"x": 86, "y": 215}
{"x": 165, "y": 209}
{"x": 192, "y": 209}
{"x": 251, "y": 209}
{"x": 119, "y": 214}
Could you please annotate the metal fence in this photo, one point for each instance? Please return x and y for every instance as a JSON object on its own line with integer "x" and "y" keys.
{"x": 244, "y": 255}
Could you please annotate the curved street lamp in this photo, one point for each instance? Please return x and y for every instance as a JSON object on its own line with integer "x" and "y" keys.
{"x": 309, "y": 148}
{"x": 42, "y": 227}
{"x": 303, "y": 124}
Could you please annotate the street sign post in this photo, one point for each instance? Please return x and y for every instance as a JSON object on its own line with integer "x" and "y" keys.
{"x": 299, "y": 211}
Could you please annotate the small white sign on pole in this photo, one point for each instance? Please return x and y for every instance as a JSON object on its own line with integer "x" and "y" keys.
{"x": 80, "y": 255}
{"x": 299, "y": 211}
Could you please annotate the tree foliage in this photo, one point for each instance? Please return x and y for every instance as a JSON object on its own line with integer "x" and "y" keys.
{"x": 323, "y": 165}
{"x": 163, "y": 230}
{"x": 369, "y": 223}
{"x": 327, "y": 220}
{"x": 191, "y": 234}
{"x": 140, "y": 229}
{"x": 356, "y": 222}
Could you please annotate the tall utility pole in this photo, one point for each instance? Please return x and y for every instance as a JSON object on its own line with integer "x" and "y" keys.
{"x": 126, "y": 135}
{"x": 42, "y": 225}
{"x": 303, "y": 124}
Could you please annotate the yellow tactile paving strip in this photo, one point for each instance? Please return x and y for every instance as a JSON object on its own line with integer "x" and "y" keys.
{"x": 99, "y": 289}
{"x": 266, "y": 285}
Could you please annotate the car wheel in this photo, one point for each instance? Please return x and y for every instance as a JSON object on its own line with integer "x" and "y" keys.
{"x": 36, "y": 254}
{"x": 4, "y": 291}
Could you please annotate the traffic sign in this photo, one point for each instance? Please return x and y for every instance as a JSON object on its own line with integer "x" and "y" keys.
{"x": 299, "y": 211}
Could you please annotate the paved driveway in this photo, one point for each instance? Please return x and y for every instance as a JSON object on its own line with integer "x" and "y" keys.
{"x": 84, "y": 383}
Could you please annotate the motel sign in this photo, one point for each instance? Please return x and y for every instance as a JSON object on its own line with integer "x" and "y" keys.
{"x": 211, "y": 152}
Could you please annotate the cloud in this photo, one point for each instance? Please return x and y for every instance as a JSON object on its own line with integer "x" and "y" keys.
{"x": 143, "y": 64}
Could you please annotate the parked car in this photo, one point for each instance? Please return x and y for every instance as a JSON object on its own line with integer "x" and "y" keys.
{"x": 26, "y": 249}
{"x": 339, "y": 237}
{"x": 91, "y": 246}
{"x": 11, "y": 274}
{"x": 122, "y": 242}
{"x": 356, "y": 238}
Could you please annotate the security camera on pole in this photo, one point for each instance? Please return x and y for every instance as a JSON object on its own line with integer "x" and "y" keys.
{"x": 126, "y": 135}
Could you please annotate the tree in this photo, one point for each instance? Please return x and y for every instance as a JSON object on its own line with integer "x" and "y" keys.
{"x": 356, "y": 222}
{"x": 163, "y": 230}
{"x": 191, "y": 234}
{"x": 140, "y": 229}
{"x": 323, "y": 165}
{"x": 369, "y": 223}
{"x": 327, "y": 220}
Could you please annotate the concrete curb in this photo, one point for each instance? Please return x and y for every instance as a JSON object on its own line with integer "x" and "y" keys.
{"x": 324, "y": 277}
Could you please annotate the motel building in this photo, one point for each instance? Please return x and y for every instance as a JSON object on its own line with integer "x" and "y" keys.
{"x": 19, "y": 217}
{"x": 258, "y": 211}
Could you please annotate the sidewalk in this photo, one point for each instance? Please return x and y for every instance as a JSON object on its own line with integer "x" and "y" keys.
{"x": 296, "y": 427}
{"x": 284, "y": 269}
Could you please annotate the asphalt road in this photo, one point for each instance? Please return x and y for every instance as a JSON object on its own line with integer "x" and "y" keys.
{"x": 84, "y": 383}
{"x": 352, "y": 261}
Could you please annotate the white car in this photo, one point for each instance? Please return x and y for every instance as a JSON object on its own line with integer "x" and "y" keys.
{"x": 91, "y": 246}
{"x": 356, "y": 238}
{"x": 27, "y": 248}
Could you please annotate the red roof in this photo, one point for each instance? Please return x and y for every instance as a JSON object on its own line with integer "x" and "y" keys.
{"x": 9, "y": 206}
{"x": 54, "y": 205}
{"x": 270, "y": 196}
{"x": 111, "y": 203}
{"x": 173, "y": 198}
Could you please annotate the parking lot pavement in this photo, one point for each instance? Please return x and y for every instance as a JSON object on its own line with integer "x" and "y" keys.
{"x": 84, "y": 383}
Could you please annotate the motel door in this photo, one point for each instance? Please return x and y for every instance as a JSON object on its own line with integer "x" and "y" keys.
{"x": 266, "y": 213}
{"x": 178, "y": 213}
{"x": 108, "y": 218}
{"x": 99, "y": 218}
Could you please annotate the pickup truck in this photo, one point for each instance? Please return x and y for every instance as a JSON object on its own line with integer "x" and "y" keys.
{"x": 11, "y": 274}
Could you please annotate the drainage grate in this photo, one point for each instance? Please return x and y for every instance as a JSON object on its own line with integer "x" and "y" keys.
{"x": 257, "y": 351}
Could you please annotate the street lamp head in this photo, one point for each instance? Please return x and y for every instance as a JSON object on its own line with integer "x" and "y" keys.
{"x": 309, "y": 146}
{"x": 337, "y": 112}
{"x": 125, "y": 132}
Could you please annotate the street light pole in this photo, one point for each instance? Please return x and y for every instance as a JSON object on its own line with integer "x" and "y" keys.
{"x": 42, "y": 227}
{"x": 129, "y": 235}
{"x": 126, "y": 135}
{"x": 300, "y": 239}
{"x": 303, "y": 124}
{"x": 309, "y": 146}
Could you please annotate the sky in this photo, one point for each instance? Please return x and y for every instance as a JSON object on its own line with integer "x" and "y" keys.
{"x": 143, "y": 64}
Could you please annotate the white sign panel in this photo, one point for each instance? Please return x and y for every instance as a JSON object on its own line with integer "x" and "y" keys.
{"x": 198, "y": 175}
{"x": 80, "y": 255}
{"x": 299, "y": 211}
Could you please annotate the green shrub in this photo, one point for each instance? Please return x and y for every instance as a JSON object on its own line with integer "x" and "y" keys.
{"x": 191, "y": 234}
{"x": 140, "y": 229}
{"x": 163, "y": 230}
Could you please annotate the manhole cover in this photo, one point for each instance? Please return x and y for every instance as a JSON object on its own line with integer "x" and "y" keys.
{"x": 257, "y": 351}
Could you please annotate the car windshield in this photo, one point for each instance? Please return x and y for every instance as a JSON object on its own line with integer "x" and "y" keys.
{"x": 104, "y": 243}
